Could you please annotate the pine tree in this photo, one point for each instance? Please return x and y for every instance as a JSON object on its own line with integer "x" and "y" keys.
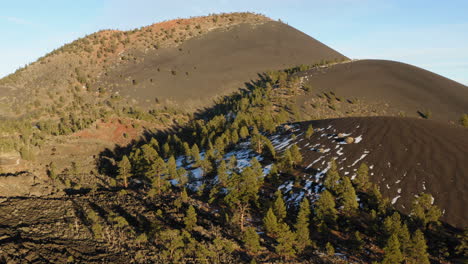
{"x": 348, "y": 197}
{"x": 256, "y": 142}
{"x": 418, "y": 250}
{"x": 392, "y": 224}
{"x": 362, "y": 178}
{"x": 244, "y": 132}
{"x": 222, "y": 173}
{"x": 124, "y": 170}
{"x": 404, "y": 239}
{"x": 423, "y": 211}
{"x": 332, "y": 177}
{"x": 302, "y": 226}
{"x": 190, "y": 219}
{"x": 184, "y": 196}
{"x": 234, "y": 137}
{"x": 195, "y": 152}
{"x": 251, "y": 240}
{"x": 172, "y": 168}
{"x": 269, "y": 150}
{"x": 271, "y": 223}
{"x": 279, "y": 207}
{"x": 330, "y": 249}
{"x": 286, "y": 161}
{"x": 392, "y": 251}
{"x": 286, "y": 239}
{"x": 157, "y": 169}
{"x": 296, "y": 155}
{"x": 325, "y": 208}
{"x": 309, "y": 132}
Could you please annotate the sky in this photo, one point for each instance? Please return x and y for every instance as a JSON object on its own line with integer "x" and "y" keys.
{"x": 430, "y": 34}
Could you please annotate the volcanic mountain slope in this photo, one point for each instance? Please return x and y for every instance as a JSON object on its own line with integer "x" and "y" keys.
{"x": 405, "y": 156}
{"x": 185, "y": 60}
{"x": 404, "y": 88}
{"x": 215, "y": 63}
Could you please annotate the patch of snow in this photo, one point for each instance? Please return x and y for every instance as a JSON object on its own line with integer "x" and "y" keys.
{"x": 358, "y": 139}
{"x": 362, "y": 157}
{"x": 340, "y": 152}
{"x": 287, "y": 186}
{"x": 395, "y": 199}
{"x": 399, "y": 190}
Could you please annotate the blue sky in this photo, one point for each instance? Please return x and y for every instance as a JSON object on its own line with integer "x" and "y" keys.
{"x": 431, "y": 34}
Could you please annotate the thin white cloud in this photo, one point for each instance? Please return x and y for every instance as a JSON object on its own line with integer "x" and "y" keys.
{"x": 17, "y": 20}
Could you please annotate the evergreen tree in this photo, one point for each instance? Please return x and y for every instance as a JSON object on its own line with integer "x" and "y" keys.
{"x": 362, "y": 178}
{"x": 286, "y": 240}
{"x": 286, "y": 161}
{"x": 392, "y": 224}
{"x": 222, "y": 173}
{"x": 244, "y": 132}
{"x": 124, "y": 170}
{"x": 423, "y": 211}
{"x": 195, "y": 152}
{"x": 296, "y": 155}
{"x": 302, "y": 226}
{"x": 279, "y": 207}
{"x": 325, "y": 208}
{"x": 392, "y": 251}
{"x": 404, "y": 239}
{"x": 190, "y": 219}
{"x": 330, "y": 249}
{"x": 309, "y": 132}
{"x": 332, "y": 177}
{"x": 187, "y": 152}
{"x": 157, "y": 169}
{"x": 166, "y": 150}
{"x": 256, "y": 142}
{"x": 251, "y": 240}
{"x": 348, "y": 197}
{"x": 242, "y": 189}
{"x": 172, "y": 168}
{"x": 234, "y": 137}
{"x": 271, "y": 223}
{"x": 269, "y": 150}
{"x": 418, "y": 251}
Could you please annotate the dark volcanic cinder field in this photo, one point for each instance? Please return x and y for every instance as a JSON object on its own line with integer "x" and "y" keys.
{"x": 215, "y": 64}
{"x": 404, "y": 87}
{"x": 407, "y": 156}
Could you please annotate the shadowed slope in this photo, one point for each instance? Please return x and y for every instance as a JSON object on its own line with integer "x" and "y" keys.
{"x": 406, "y": 156}
{"x": 402, "y": 86}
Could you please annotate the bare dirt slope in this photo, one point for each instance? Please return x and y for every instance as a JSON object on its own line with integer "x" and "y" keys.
{"x": 406, "y": 156}
{"x": 215, "y": 63}
{"x": 402, "y": 86}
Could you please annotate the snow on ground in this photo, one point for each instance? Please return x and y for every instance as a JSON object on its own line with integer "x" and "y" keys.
{"x": 394, "y": 200}
{"x": 366, "y": 152}
{"x": 358, "y": 139}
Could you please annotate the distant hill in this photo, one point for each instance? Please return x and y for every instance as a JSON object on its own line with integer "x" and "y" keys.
{"x": 404, "y": 88}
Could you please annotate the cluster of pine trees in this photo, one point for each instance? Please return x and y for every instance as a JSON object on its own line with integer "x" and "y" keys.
{"x": 347, "y": 215}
